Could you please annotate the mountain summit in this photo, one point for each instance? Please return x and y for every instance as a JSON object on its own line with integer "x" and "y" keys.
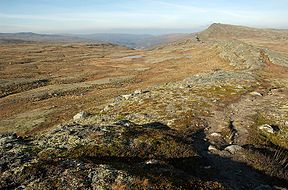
{"x": 227, "y": 31}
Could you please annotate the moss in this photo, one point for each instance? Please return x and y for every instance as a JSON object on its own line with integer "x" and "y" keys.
{"x": 264, "y": 138}
{"x": 279, "y": 139}
{"x": 121, "y": 117}
{"x": 49, "y": 153}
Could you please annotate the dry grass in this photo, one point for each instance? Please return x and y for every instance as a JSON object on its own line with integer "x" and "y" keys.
{"x": 274, "y": 162}
{"x": 83, "y": 77}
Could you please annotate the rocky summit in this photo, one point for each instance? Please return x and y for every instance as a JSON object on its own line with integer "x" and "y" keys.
{"x": 206, "y": 112}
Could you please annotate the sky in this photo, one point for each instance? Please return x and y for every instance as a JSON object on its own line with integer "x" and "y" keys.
{"x": 137, "y": 16}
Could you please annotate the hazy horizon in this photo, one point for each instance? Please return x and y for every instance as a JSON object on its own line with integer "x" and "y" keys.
{"x": 137, "y": 17}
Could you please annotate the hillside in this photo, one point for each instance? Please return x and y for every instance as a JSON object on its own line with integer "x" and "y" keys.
{"x": 273, "y": 39}
{"x": 208, "y": 114}
{"x": 225, "y": 31}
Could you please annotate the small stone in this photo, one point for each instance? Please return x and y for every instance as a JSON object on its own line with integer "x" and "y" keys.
{"x": 107, "y": 108}
{"x": 212, "y": 148}
{"x": 152, "y": 161}
{"x": 207, "y": 167}
{"x": 81, "y": 115}
{"x": 233, "y": 148}
{"x": 8, "y": 145}
{"x": 255, "y": 94}
{"x": 125, "y": 123}
{"x": 136, "y": 92}
{"x": 215, "y": 135}
{"x": 126, "y": 96}
{"x": 267, "y": 128}
{"x": 20, "y": 187}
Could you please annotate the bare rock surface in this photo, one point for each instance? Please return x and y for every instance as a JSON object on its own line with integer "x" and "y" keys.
{"x": 233, "y": 148}
{"x": 267, "y": 128}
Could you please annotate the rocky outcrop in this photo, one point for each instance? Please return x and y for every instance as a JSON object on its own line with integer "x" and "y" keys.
{"x": 239, "y": 54}
{"x": 99, "y": 157}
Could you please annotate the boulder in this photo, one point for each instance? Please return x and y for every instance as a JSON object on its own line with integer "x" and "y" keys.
{"x": 81, "y": 115}
{"x": 232, "y": 149}
{"x": 212, "y": 148}
{"x": 215, "y": 135}
{"x": 255, "y": 94}
{"x": 267, "y": 128}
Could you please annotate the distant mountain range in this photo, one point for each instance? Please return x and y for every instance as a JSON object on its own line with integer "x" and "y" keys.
{"x": 27, "y": 37}
{"x": 129, "y": 40}
{"x": 140, "y": 41}
{"x": 135, "y": 40}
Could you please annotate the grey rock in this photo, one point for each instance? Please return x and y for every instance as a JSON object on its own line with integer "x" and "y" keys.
{"x": 207, "y": 167}
{"x": 215, "y": 135}
{"x": 105, "y": 176}
{"x": 153, "y": 161}
{"x": 81, "y": 115}
{"x": 267, "y": 128}
{"x": 255, "y": 94}
{"x": 233, "y": 148}
{"x": 217, "y": 77}
{"x": 125, "y": 123}
{"x": 212, "y": 148}
{"x": 127, "y": 96}
{"x": 136, "y": 92}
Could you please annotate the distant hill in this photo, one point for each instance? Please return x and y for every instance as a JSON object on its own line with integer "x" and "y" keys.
{"x": 225, "y": 31}
{"x": 135, "y": 40}
{"x": 129, "y": 40}
{"x": 28, "y": 37}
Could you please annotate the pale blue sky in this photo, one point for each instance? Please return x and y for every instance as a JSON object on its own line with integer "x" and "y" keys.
{"x": 137, "y": 16}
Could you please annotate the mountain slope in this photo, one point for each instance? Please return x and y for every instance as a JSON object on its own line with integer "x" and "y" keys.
{"x": 225, "y": 31}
